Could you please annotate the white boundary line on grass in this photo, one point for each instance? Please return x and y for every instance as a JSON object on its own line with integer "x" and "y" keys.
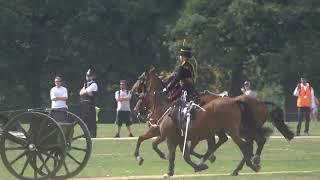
{"x": 196, "y": 175}
{"x": 271, "y": 137}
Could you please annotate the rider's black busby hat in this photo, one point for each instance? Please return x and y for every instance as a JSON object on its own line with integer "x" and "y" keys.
{"x": 186, "y": 52}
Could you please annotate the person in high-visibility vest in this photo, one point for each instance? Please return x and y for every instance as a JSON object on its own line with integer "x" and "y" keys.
{"x": 305, "y": 102}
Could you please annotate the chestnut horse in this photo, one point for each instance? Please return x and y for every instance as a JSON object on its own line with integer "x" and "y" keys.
{"x": 259, "y": 108}
{"x": 224, "y": 114}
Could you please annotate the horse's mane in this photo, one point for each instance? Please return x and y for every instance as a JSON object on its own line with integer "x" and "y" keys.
{"x": 157, "y": 77}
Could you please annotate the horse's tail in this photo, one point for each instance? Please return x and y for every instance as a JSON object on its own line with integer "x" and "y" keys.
{"x": 276, "y": 116}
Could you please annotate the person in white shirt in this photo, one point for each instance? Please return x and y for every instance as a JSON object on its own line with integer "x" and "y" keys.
{"x": 246, "y": 89}
{"x": 88, "y": 95}
{"x": 59, "y": 97}
{"x": 123, "y": 97}
{"x": 314, "y": 110}
{"x": 305, "y": 102}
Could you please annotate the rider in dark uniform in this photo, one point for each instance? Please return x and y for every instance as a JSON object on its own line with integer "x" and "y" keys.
{"x": 88, "y": 102}
{"x": 184, "y": 78}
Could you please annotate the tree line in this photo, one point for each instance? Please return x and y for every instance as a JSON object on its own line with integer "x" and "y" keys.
{"x": 269, "y": 42}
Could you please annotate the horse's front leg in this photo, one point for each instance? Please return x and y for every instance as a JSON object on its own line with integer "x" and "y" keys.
{"x": 172, "y": 146}
{"x": 192, "y": 152}
{"x": 155, "y": 147}
{"x": 222, "y": 139}
{"x": 152, "y": 132}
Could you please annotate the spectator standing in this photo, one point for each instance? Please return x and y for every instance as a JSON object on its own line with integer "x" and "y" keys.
{"x": 123, "y": 97}
{"x": 247, "y": 90}
{"x": 88, "y": 102}
{"x": 59, "y": 97}
{"x": 314, "y": 110}
{"x": 305, "y": 102}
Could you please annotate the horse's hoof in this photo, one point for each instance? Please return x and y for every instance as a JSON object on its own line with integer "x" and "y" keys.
{"x": 167, "y": 175}
{"x": 200, "y": 167}
{"x": 163, "y": 156}
{"x": 258, "y": 167}
{"x": 234, "y": 173}
{"x": 212, "y": 158}
{"x": 256, "y": 159}
{"x": 140, "y": 160}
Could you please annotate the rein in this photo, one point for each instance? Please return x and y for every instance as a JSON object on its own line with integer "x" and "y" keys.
{"x": 160, "y": 119}
{"x": 142, "y": 97}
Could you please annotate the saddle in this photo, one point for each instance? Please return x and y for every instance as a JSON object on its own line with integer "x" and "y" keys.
{"x": 180, "y": 114}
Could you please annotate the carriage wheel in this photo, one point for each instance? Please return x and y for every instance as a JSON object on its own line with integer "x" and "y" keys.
{"x": 32, "y": 146}
{"x": 79, "y": 147}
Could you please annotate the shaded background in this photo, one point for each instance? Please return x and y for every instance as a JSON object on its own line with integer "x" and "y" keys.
{"x": 269, "y": 42}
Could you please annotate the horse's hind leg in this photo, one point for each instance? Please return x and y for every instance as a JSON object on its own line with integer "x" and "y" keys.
{"x": 247, "y": 151}
{"x": 188, "y": 160}
{"x": 242, "y": 162}
{"x": 261, "y": 140}
{"x": 239, "y": 167}
{"x": 152, "y": 132}
{"x": 222, "y": 139}
{"x": 155, "y": 147}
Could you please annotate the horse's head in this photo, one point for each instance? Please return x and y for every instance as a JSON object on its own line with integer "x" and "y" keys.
{"x": 140, "y": 85}
{"x": 147, "y": 81}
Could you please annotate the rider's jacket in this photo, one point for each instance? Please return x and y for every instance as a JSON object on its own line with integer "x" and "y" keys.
{"x": 185, "y": 74}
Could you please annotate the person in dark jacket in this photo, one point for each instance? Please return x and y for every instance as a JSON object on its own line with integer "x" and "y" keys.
{"x": 88, "y": 102}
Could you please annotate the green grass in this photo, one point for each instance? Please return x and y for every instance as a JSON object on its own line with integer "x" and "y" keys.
{"x": 115, "y": 158}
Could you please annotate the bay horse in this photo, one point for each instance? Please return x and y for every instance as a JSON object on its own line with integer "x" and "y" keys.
{"x": 220, "y": 114}
{"x": 259, "y": 109}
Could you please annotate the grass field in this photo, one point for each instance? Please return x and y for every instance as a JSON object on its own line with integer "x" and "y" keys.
{"x": 299, "y": 159}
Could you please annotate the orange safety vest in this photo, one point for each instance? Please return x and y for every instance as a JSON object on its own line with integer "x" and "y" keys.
{"x": 304, "y": 98}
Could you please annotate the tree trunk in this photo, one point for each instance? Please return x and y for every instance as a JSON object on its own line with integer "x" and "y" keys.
{"x": 236, "y": 78}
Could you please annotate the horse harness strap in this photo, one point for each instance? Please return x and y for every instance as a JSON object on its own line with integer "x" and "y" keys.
{"x": 160, "y": 119}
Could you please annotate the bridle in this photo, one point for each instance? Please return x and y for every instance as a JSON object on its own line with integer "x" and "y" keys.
{"x": 141, "y": 97}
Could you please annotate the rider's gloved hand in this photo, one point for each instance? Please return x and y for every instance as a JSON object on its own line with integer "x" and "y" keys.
{"x": 164, "y": 91}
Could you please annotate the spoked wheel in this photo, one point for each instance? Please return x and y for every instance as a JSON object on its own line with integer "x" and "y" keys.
{"x": 32, "y": 146}
{"x": 79, "y": 146}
